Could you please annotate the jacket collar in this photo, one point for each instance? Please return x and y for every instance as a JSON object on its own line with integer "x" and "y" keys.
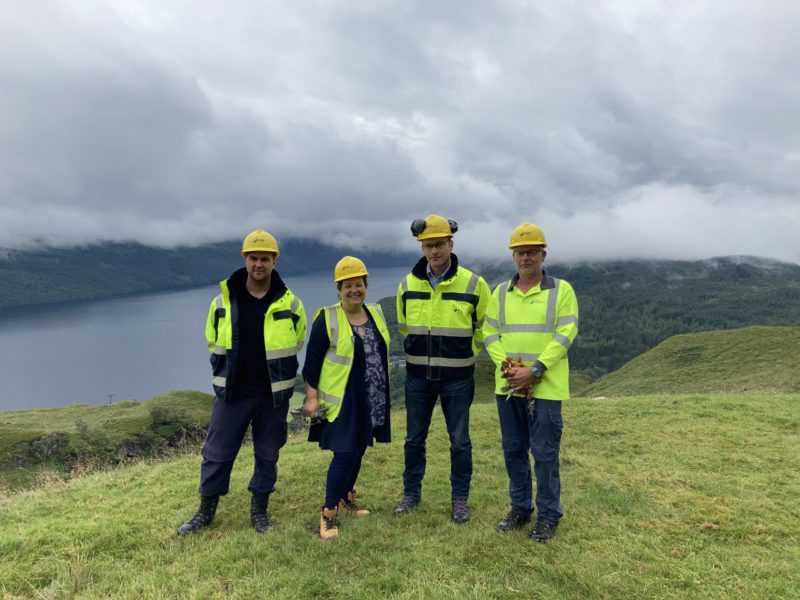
{"x": 420, "y": 270}
{"x": 236, "y": 284}
{"x": 547, "y": 282}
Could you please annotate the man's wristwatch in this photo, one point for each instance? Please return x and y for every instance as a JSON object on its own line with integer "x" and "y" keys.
{"x": 536, "y": 374}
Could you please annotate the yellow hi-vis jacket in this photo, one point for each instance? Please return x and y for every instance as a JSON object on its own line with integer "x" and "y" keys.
{"x": 339, "y": 358}
{"x": 539, "y": 325}
{"x": 284, "y": 334}
{"x": 442, "y": 326}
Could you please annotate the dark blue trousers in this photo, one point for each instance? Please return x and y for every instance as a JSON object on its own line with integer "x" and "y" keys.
{"x": 229, "y": 423}
{"x": 342, "y": 475}
{"x": 541, "y": 436}
{"x": 456, "y": 398}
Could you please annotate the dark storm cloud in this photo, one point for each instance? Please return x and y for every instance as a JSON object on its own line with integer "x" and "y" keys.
{"x": 623, "y": 128}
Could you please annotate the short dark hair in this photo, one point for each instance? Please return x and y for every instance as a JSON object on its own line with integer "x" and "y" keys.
{"x": 339, "y": 283}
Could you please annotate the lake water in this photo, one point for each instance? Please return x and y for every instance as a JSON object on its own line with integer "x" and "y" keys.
{"x": 134, "y": 347}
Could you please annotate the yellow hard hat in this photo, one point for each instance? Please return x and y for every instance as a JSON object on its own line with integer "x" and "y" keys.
{"x": 527, "y": 234}
{"x": 433, "y": 226}
{"x": 260, "y": 241}
{"x": 349, "y": 267}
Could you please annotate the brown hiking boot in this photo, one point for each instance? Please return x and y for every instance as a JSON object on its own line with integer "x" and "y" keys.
{"x": 350, "y": 507}
{"x": 460, "y": 510}
{"x": 328, "y": 526}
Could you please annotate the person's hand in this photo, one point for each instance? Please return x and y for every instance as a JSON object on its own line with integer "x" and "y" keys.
{"x": 310, "y": 406}
{"x": 520, "y": 379}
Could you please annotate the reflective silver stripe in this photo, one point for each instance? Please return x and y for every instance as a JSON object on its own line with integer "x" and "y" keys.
{"x": 437, "y": 361}
{"x": 563, "y": 340}
{"x": 333, "y": 321}
{"x": 445, "y": 331}
{"x": 219, "y": 350}
{"x": 338, "y": 359}
{"x": 502, "y": 302}
{"x": 528, "y": 358}
{"x": 473, "y": 283}
{"x": 281, "y": 353}
{"x": 218, "y": 381}
{"x": 378, "y": 308}
{"x": 219, "y": 301}
{"x": 330, "y": 399}
{"x": 295, "y": 305}
{"x": 279, "y": 386}
{"x": 479, "y": 324}
{"x": 491, "y": 321}
{"x": 552, "y": 304}
{"x": 491, "y": 339}
{"x": 404, "y": 283}
{"x": 567, "y": 320}
{"x": 417, "y": 329}
{"x": 521, "y": 328}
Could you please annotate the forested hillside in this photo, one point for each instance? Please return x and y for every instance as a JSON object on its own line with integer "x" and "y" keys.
{"x": 628, "y": 307}
{"x": 50, "y": 275}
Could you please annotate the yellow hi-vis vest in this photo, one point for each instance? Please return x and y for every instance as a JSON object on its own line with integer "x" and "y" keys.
{"x": 339, "y": 358}
{"x": 442, "y": 326}
{"x": 538, "y": 325}
{"x": 284, "y": 334}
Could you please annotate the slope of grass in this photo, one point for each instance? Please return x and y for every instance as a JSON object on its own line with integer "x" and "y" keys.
{"x": 749, "y": 359}
{"x": 60, "y": 437}
{"x": 665, "y": 497}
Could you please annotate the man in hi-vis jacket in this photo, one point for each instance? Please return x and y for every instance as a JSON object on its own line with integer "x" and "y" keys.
{"x": 530, "y": 324}
{"x": 255, "y": 328}
{"x": 440, "y": 307}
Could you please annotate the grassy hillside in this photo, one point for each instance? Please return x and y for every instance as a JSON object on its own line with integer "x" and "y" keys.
{"x": 662, "y": 500}
{"x": 738, "y": 360}
{"x": 32, "y": 440}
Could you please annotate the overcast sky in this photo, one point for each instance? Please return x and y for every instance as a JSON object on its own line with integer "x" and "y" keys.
{"x": 629, "y": 128}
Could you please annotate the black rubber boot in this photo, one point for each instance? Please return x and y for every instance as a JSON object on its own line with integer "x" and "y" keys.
{"x": 203, "y": 517}
{"x": 259, "y": 516}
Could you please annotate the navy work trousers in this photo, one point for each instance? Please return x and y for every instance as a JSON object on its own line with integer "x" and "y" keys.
{"x": 229, "y": 423}
{"x": 342, "y": 475}
{"x": 541, "y": 436}
{"x": 456, "y": 398}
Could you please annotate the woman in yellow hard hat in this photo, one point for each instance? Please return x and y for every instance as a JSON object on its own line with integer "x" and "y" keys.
{"x": 347, "y": 387}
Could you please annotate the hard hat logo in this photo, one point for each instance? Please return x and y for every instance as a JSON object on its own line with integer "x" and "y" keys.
{"x": 527, "y": 234}
{"x": 260, "y": 241}
{"x": 349, "y": 267}
{"x": 433, "y": 226}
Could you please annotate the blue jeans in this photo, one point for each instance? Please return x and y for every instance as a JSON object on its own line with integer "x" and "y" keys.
{"x": 456, "y": 398}
{"x": 541, "y": 436}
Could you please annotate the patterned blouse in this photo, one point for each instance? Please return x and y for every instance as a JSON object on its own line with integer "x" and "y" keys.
{"x": 374, "y": 375}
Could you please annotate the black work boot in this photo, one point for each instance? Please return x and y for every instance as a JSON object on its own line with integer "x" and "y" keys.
{"x": 406, "y": 505}
{"x": 515, "y": 519}
{"x": 203, "y": 517}
{"x": 543, "y": 532}
{"x": 460, "y": 510}
{"x": 259, "y": 516}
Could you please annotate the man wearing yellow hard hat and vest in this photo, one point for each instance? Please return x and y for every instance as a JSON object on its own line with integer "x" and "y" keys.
{"x": 530, "y": 324}
{"x": 440, "y": 307}
{"x": 347, "y": 377}
{"x": 255, "y": 328}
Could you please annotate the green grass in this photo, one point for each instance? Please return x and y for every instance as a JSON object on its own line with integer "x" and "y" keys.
{"x": 665, "y": 497}
{"x": 746, "y": 360}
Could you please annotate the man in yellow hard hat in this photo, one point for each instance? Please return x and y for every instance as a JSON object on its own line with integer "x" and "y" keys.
{"x": 255, "y": 328}
{"x": 530, "y": 324}
{"x": 440, "y": 307}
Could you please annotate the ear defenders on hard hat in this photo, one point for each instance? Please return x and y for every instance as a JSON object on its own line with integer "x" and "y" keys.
{"x": 436, "y": 226}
